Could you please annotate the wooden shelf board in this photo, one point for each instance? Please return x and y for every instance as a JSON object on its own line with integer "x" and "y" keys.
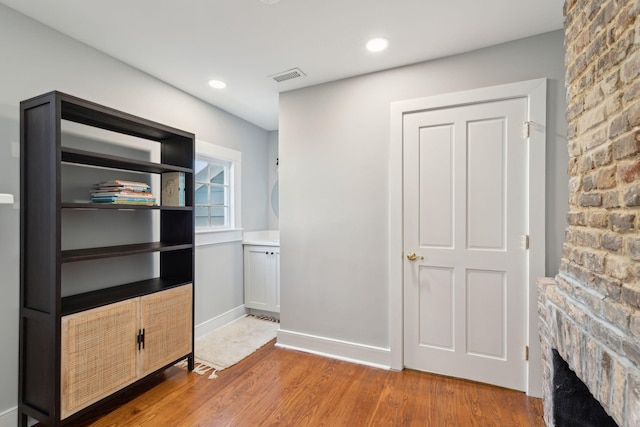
{"x": 81, "y": 111}
{"x": 74, "y": 155}
{"x": 120, "y": 250}
{"x": 96, "y": 206}
{"x": 85, "y": 301}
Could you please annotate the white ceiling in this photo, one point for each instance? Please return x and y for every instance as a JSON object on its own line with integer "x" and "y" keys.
{"x": 186, "y": 43}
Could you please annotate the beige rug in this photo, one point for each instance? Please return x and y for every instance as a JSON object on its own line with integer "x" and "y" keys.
{"x": 231, "y": 343}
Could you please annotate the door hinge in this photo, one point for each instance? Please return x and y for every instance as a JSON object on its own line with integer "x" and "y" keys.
{"x": 525, "y": 241}
{"x": 526, "y": 129}
{"x": 526, "y": 352}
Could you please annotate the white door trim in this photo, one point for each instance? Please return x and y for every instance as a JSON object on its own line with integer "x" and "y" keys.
{"x": 536, "y": 93}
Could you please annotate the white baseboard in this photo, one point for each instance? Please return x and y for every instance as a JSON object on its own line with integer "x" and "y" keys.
{"x": 218, "y": 321}
{"x": 9, "y": 418}
{"x": 342, "y": 350}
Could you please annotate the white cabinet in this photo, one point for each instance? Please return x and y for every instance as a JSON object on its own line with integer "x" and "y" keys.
{"x": 262, "y": 277}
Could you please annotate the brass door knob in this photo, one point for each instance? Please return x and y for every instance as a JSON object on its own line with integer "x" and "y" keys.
{"x": 411, "y": 256}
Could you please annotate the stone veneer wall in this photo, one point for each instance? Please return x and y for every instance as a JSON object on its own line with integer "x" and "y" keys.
{"x": 591, "y": 312}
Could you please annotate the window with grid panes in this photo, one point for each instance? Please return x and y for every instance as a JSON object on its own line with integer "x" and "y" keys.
{"x": 212, "y": 193}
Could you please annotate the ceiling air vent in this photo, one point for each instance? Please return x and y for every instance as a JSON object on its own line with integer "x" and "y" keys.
{"x": 294, "y": 73}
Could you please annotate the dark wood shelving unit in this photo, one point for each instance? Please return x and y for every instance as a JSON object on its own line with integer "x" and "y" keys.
{"x": 43, "y": 310}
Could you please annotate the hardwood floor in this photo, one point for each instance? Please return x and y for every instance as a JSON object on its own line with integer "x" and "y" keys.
{"x": 279, "y": 387}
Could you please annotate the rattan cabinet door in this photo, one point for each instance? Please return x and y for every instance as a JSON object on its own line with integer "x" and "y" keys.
{"x": 168, "y": 327}
{"x": 99, "y": 354}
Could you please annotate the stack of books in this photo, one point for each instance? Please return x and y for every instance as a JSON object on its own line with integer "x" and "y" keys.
{"x": 121, "y": 192}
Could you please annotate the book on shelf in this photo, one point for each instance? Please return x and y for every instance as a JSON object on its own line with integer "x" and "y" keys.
{"x": 122, "y": 199}
{"x": 173, "y": 188}
{"x": 124, "y": 188}
{"x": 127, "y": 202}
{"x": 122, "y": 183}
{"x": 123, "y": 193}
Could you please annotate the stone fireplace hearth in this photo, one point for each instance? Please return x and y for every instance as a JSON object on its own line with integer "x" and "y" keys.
{"x": 590, "y": 313}
{"x": 589, "y": 346}
{"x": 573, "y": 403}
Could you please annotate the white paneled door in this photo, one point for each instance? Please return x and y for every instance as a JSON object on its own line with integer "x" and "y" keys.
{"x": 465, "y": 218}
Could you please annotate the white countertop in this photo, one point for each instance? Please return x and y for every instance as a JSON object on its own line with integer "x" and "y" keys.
{"x": 261, "y": 238}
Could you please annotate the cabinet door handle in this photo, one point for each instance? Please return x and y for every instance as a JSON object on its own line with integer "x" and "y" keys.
{"x": 140, "y": 339}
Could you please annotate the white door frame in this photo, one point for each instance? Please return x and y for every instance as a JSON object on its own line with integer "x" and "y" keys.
{"x": 536, "y": 93}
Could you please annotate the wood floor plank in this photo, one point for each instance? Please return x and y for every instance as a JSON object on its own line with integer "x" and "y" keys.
{"x": 280, "y": 387}
{"x": 361, "y": 391}
{"x": 260, "y": 384}
{"x": 314, "y": 390}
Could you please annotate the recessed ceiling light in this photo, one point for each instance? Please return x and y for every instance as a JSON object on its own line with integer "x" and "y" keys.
{"x": 377, "y": 45}
{"x": 270, "y": 1}
{"x": 217, "y": 84}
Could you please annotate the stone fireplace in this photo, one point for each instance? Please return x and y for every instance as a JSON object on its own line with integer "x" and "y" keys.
{"x": 590, "y": 313}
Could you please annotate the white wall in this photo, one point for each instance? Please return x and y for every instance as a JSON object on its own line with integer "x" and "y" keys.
{"x": 35, "y": 60}
{"x": 219, "y": 282}
{"x": 334, "y": 148}
{"x": 272, "y": 167}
